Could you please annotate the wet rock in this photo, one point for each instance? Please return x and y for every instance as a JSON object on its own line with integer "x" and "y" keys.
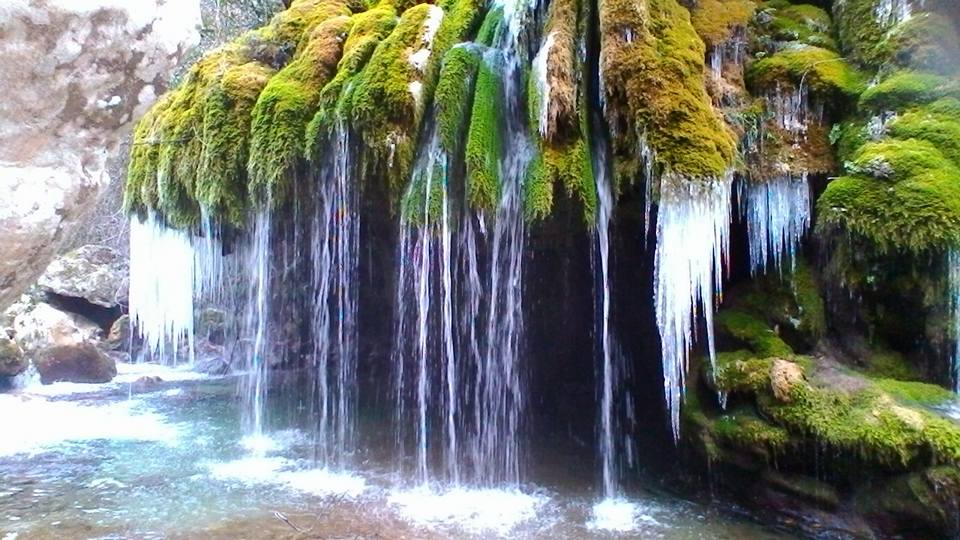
{"x": 146, "y": 383}
{"x": 96, "y": 274}
{"x": 213, "y": 325}
{"x": 211, "y": 359}
{"x": 80, "y": 363}
{"x": 784, "y": 376}
{"x": 74, "y": 76}
{"x": 12, "y": 360}
{"x": 923, "y": 504}
{"x": 118, "y": 339}
{"x": 43, "y": 326}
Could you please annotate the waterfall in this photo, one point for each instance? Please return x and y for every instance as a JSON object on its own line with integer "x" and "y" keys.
{"x": 255, "y": 325}
{"x": 890, "y": 13}
{"x": 334, "y": 238}
{"x": 459, "y": 316}
{"x": 162, "y": 284}
{"x": 693, "y": 235}
{"x": 611, "y": 364}
{"x": 777, "y": 213}
{"x": 426, "y": 261}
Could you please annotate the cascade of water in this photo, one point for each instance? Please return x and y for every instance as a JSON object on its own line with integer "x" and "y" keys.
{"x": 953, "y": 283}
{"x": 162, "y": 281}
{"x": 334, "y": 253}
{"x": 610, "y": 366}
{"x": 892, "y": 12}
{"x": 777, "y": 213}
{"x": 426, "y": 262}
{"x": 693, "y": 235}
{"x": 256, "y": 325}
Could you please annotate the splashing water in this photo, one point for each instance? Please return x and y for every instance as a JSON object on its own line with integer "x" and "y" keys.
{"x": 777, "y": 213}
{"x": 693, "y": 236}
{"x": 542, "y": 80}
{"x": 162, "y": 275}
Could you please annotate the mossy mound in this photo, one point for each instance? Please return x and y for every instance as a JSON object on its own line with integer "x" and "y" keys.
{"x": 900, "y": 195}
{"x": 717, "y": 20}
{"x": 778, "y": 23}
{"x": 823, "y": 71}
{"x": 908, "y": 88}
{"x": 652, "y": 62}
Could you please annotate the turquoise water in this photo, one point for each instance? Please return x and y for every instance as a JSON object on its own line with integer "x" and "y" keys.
{"x": 168, "y": 460}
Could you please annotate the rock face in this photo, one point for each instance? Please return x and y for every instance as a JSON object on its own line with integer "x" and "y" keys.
{"x": 43, "y": 326}
{"x": 81, "y": 363}
{"x": 74, "y": 75}
{"x": 12, "y": 361}
{"x": 97, "y": 274}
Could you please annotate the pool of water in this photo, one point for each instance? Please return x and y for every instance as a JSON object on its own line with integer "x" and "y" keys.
{"x": 168, "y": 460}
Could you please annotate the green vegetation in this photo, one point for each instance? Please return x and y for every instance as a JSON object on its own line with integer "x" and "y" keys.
{"x": 484, "y": 141}
{"x": 655, "y": 88}
{"x": 716, "y": 20}
{"x": 454, "y": 96}
{"x": 823, "y": 71}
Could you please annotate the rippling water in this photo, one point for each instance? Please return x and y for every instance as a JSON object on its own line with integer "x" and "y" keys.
{"x": 169, "y": 461}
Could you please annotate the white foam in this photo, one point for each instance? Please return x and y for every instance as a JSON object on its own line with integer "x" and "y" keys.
{"x": 619, "y": 515}
{"x": 324, "y": 482}
{"x": 29, "y": 382}
{"x": 249, "y": 470}
{"x": 475, "y": 510}
{"x": 32, "y": 424}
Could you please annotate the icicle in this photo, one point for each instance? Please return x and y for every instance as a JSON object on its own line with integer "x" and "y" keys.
{"x": 162, "y": 281}
{"x": 542, "y": 80}
{"x": 777, "y": 213}
{"x": 693, "y": 234}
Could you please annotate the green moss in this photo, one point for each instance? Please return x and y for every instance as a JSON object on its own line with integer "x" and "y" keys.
{"x": 926, "y": 42}
{"x": 806, "y": 293}
{"x": 753, "y": 332}
{"x": 741, "y": 372}
{"x": 484, "y": 141}
{"x": 221, "y": 177}
{"x": 716, "y": 20}
{"x": 918, "y": 392}
{"x": 568, "y": 164}
{"x": 383, "y": 107}
{"x": 778, "y": 23}
{"x": 902, "y": 195}
{"x": 743, "y": 429}
{"x": 886, "y": 363}
{"x": 654, "y": 86}
{"x": 461, "y": 19}
{"x": 140, "y": 189}
{"x": 286, "y": 106}
{"x": 423, "y": 202}
{"x": 848, "y": 136}
{"x": 492, "y": 23}
{"x": 861, "y": 34}
{"x": 823, "y": 71}
{"x": 868, "y": 424}
{"x": 366, "y": 32}
{"x": 905, "y": 88}
{"x": 454, "y": 96}
{"x": 937, "y": 123}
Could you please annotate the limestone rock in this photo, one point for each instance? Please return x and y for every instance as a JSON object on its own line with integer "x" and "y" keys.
{"x": 74, "y": 76}
{"x": 118, "y": 339}
{"x": 97, "y": 274}
{"x": 784, "y": 376}
{"x": 12, "y": 361}
{"x": 80, "y": 363}
{"x": 44, "y": 326}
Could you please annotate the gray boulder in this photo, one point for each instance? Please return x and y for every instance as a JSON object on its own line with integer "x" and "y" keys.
{"x": 97, "y": 274}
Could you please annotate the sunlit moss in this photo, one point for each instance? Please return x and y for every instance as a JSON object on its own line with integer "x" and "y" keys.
{"x": 286, "y": 105}
{"x": 483, "y": 149}
{"x": 716, "y": 20}
{"x": 652, "y": 62}
{"x": 823, "y": 71}
{"x": 454, "y": 96}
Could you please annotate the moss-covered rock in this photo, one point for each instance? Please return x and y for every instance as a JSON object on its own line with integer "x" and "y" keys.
{"x": 717, "y": 20}
{"x": 821, "y": 70}
{"x": 652, "y": 61}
